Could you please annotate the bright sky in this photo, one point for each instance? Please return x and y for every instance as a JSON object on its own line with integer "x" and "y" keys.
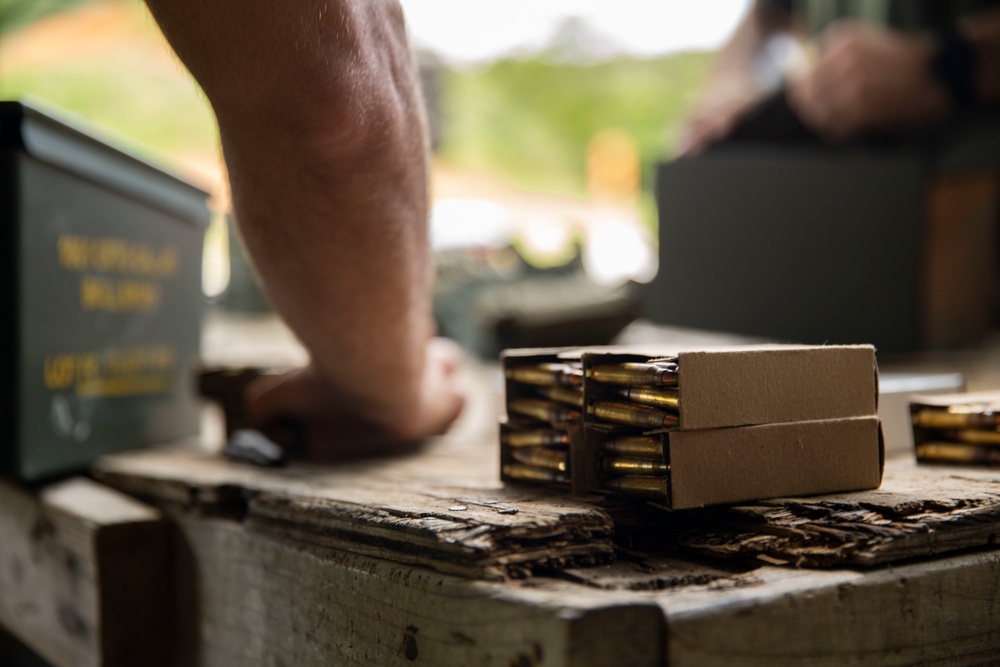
{"x": 477, "y": 30}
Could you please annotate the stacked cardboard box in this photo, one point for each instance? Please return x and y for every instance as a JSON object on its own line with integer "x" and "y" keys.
{"x": 959, "y": 429}
{"x": 689, "y": 428}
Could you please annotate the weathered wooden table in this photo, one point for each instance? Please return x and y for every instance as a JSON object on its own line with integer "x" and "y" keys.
{"x": 178, "y": 557}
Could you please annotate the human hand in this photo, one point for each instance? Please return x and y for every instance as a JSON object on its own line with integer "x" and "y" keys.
{"x": 335, "y": 428}
{"x": 710, "y": 125}
{"x": 869, "y": 79}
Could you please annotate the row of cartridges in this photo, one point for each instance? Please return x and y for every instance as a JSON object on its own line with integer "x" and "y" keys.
{"x": 547, "y": 405}
{"x": 961, "y": 429}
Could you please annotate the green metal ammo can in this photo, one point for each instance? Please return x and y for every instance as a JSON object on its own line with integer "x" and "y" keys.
{"x": 100, "y": 297}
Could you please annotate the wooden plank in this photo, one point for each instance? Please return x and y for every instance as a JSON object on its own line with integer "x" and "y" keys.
{"x": 82, "y": 575}
{"x": 274, "y": 582}
{"x": 251, "y": 598}
{"x": 918, "y": 512}
{"x": 373, "y": 509}
{"x": 254, "y": 599}
{"x": 941, "y": 612}
{"x": 490, "y": 532}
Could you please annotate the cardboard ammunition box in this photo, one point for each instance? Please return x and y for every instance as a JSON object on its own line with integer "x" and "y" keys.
{"x": 729, "y": 465}
{"x": 739, "y": 385}
{"x": 962, "y": 428}
{"x": 784, "y": 419}
{"x": 101, "y": 289}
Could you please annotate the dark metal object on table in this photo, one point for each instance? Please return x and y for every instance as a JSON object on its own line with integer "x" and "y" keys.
{"x": 269, "y": 447}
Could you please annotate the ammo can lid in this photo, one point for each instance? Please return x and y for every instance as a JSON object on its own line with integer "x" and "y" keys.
{"x": 62, "y": 144}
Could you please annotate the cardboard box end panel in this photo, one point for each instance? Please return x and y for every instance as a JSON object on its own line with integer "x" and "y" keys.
{"x": 721, "y": 466}
{"x": 985, "y": 400}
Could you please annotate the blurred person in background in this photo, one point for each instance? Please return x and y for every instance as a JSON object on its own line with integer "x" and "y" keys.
{"x": 881, "y": 66}
{"x": 322, "y": 129}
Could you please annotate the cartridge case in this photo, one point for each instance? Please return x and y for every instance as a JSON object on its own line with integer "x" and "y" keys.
{"x": 546, "y": 411}
{"x": 978, "y": 437}
{"x": 549, "y": 459}
{"x": 565, "y": 395}
{"x": 634, "y": 374}
{"x": 534, "y": 438}
{"x": 528, "y": 473}
{"x": 665, "y": 399}
{"x": 632, "y": 415}
{"x": 616, "y": 465}
{"x": 943, "y": 419}
{"x": 654, "y": 487}
{"x": 955, "y": 452}
{"x": 634, "y": 446}
{"x": 546, "y": 374}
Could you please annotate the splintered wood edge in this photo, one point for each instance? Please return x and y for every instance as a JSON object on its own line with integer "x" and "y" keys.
{"x": 949, "y": 514}
{"x": 500, "y": 533}
{"x": 447, "y": 542}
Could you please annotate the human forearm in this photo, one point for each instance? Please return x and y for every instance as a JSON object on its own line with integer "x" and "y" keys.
{"x": 733, "y": 73}
{"x": 320, "y": 121}
{"x": 733, "y": 84}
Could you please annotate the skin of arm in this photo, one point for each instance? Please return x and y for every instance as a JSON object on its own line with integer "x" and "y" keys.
{"x": 322, "y": 128}
{"x": 732, "y": 86}
{"x": 874, "y": 79}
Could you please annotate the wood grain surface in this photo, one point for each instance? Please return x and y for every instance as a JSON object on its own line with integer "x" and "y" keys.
{"x": 84, "y": 575}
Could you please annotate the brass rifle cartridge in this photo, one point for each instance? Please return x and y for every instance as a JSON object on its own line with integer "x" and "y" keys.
{"x": 667, "y": 399}
{"x": 566, "y": 395}
{"x": 955, "y": 452}
{"x": 632, "y": 415}
{"x": 635, "y": 446}
{"x": 546, "y": 375}
{"x": 978, "y": 436}
{"x": 634, "y": 374}
{"x": 625, "y": 466}
{"x": 656, "y": 487}
{"x": 550, "y": 459}
{"x": 534, "y": 438}
{"x": 528, "y": 473}
{"x": 543, "y": 410}
{"x": 955, "y": 420}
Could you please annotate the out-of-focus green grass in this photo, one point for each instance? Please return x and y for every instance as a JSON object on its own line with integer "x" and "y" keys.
{"x": 153, "y": 115}
{"x": 17, "y": 13}
{"x": 527, "y": 120}
{"x": 122, "y": 80}
{"x": 531, "y": 119}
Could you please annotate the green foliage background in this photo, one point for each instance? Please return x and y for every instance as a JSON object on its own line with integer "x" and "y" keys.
{"x": 526, "y": 120}
{"x": 531, "y": 119}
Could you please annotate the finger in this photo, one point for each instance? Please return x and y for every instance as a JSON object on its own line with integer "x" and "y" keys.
{"x": 447, "y": 352}
{"x": 802, "y": 99}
